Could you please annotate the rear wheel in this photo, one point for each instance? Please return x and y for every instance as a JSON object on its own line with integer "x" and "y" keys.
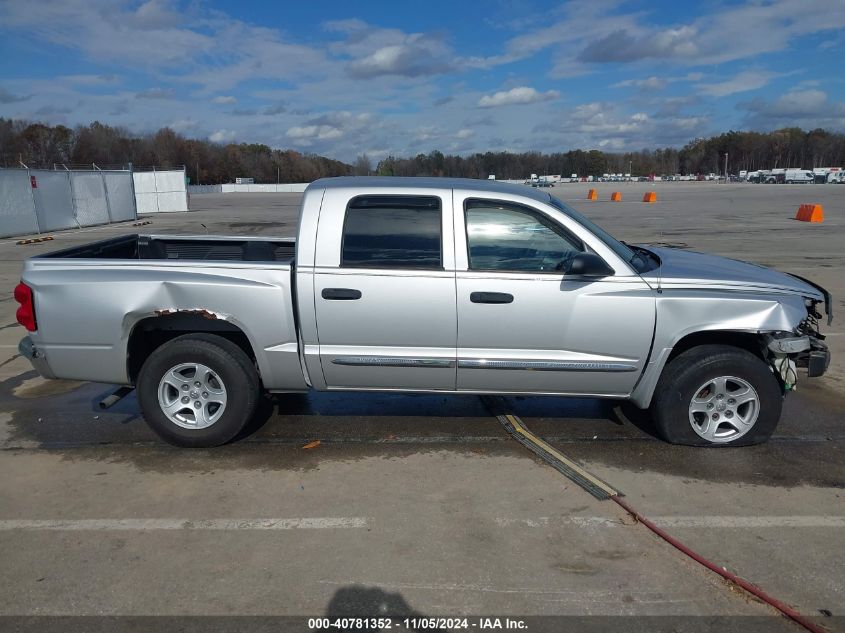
{"x": 198, "y": 390}
{"x": 717, "y": 395}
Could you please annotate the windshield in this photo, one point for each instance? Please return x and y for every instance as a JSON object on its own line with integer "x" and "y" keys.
{"x": 611, "y": 242}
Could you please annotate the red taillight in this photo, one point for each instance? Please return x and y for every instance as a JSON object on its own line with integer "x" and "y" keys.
{"x": 26, "y": 313}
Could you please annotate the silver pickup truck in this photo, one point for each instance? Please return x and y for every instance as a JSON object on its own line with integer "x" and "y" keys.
{"x": 424, "y": 285}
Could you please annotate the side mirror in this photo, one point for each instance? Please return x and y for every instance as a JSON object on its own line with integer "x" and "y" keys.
{"x": 589, "y": 265}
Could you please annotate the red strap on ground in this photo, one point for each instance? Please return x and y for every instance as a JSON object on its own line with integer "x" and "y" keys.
{"x": 785, "y": 609}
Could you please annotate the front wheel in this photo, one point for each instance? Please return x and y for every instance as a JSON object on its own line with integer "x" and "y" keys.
{"x": 198, "y": 390}
{"x": 717, "y": 395}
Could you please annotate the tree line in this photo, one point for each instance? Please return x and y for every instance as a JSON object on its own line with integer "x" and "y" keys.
{"x": 790, "y": 147}
{"x": 38, "y": 145}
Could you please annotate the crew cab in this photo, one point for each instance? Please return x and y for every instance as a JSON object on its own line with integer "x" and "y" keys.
{"x": 424, "y": 285}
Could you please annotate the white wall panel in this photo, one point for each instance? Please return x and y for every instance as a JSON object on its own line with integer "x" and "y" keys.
{"x": 89, "y": 198}
{"x": 160, "y": 191}
{"x": 145, "y": 182}
{"x": 17, "y": 209}
{"x": 170, "y": 181}
{"x": 62, "y": 199}
{"x": 295, "y": 187}
{"x": 205, "y": 188}
{"x": 118, "y": 185}
{"x": 53, "y": 200}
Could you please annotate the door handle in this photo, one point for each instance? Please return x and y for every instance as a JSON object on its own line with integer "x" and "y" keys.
{"x": 491, "y": 297}
{"x": 341, "y": 294}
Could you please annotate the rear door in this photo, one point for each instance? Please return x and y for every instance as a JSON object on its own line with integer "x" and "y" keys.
{"x": 384, "y": 291}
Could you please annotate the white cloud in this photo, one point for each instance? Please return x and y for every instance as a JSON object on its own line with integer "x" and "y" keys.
{"x": 656, "y": 83}
{"x": 800, "y": 103}
{"x": 152, "y": 35}
{"x": 807, "y": 108}
{"x": 742, "y": 82}
{"x": 156, "y": 14}
{"x": 191, "y": 44}
{"x": 279, "y": 108}
{"x": 91, "y": 80}
{"x": 156, "y": 93}
{"x": 318, "y": 132}
{"x": 8, "y": 97}
{"x": 331, "y": 126}
{"x": 411, "y": 59}
{"x": 516, "y": 96}
{"x": 184, "y": 126}
{"x": 726, "y": 33}
{"x": 622, "y": 45}
{"x": 609, "y": 126}
{"x": 650, "y": 83}
{"x": 426, "y": 133}
{"x": 184, "y": 57}
{"x": 376, "y": 52}
{"x": 221, "y": 136}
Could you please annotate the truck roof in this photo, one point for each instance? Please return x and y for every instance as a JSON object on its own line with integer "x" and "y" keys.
{"x": 467, "y": 184}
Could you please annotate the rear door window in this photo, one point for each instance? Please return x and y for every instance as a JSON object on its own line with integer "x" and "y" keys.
{"x": 393, "y": 232}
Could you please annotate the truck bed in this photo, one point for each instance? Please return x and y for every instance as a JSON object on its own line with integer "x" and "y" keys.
{"x": 184, "y": 247}
{"x": 94, "y": 298}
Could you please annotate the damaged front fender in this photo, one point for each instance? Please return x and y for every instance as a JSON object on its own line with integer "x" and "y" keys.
{"x": 681, "y": 313}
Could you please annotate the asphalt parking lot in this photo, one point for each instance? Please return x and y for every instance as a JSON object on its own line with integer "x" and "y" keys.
{"x": 424, "y": 504}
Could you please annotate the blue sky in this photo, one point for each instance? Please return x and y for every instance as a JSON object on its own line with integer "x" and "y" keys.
{"x": 346, "y": 78}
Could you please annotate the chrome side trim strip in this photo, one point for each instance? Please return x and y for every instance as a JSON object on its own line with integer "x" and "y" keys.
{"x": 547, "y": 365}
{"x": 392, "y": 361}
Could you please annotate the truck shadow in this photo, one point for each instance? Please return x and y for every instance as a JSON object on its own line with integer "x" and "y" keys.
{"x": 360, "y": 426}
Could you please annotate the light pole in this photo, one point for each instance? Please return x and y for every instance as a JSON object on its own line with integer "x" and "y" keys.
{"x": 726, "y": 168}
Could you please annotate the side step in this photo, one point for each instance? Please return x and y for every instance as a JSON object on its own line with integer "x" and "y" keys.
{"x": 119, "y": 394}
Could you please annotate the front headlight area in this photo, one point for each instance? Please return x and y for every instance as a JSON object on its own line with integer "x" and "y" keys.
{"x": 802, "y": 348}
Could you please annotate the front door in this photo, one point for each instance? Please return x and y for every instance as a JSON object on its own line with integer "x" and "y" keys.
{"x": 525, "y": 326}
{"x": 386, "y": 314}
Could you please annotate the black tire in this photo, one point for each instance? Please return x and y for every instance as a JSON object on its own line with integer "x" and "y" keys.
{"x": 670, "y": 407}
{"x": 234, "y": 368}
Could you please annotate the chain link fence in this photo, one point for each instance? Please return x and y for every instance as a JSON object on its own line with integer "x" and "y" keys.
{"x": 41, "y": 200}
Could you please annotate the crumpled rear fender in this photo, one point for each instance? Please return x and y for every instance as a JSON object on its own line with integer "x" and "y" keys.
{"x": 87, "y": 312}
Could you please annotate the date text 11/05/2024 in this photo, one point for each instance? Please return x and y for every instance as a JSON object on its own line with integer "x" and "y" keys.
{"x": 416, "y": 624}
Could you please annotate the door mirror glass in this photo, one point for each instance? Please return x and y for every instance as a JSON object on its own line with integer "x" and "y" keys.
{"x": 588, "y": 265}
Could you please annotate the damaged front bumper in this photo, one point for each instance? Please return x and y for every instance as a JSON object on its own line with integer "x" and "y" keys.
{"x": 806, "y": 351}
{"x": 818, "y": 358}
{"x": 27, "y": 349}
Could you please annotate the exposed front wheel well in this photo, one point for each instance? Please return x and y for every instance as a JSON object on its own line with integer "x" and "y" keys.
{"x": 749, "y": 341}
{"x": 152, "y": 332}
